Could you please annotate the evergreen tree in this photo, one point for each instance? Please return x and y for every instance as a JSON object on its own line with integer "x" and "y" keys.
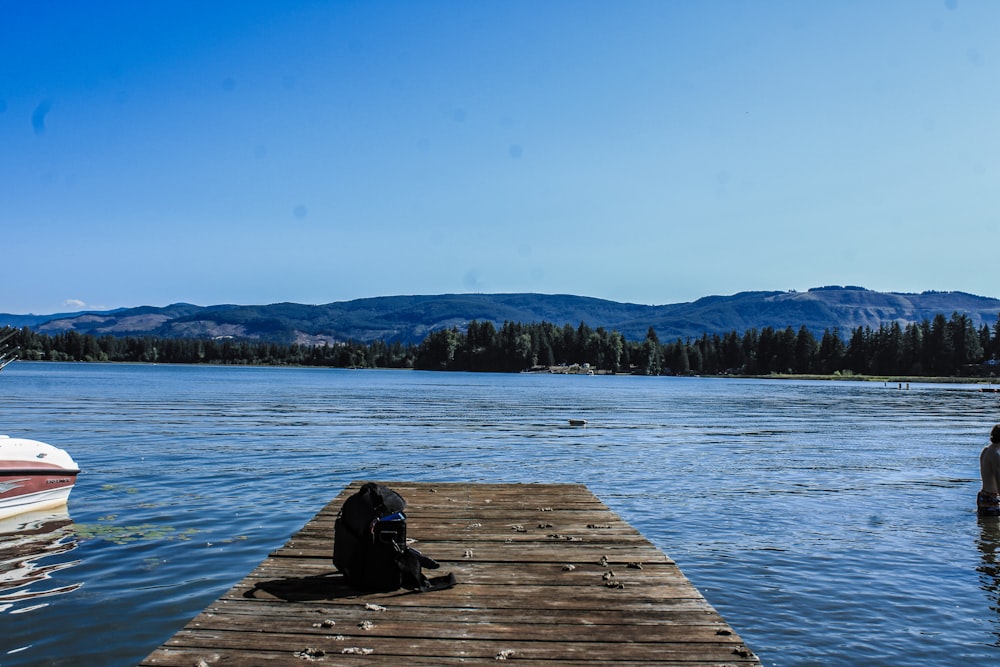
{"x": 732, "y": 353}
{"x": 911, "y": 354}
{"x": 858, "y": 349}
{"x": 965, "y": 345}
{"x": 993, "y": 350}
{"x": 887, "y": 354}
{"x": 751, "y": 365}
{"x": 806, "y": 349}
{"x": 938, "y": 348}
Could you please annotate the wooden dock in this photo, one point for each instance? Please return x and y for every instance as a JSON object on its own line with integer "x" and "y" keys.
{"x": 547, "y": 575}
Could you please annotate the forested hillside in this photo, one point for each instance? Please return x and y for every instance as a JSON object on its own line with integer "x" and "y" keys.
{"x": 409, "y": 319}
{"x": 939, "y": 347}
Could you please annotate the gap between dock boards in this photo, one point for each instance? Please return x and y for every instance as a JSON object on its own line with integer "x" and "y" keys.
{"x": 547, "y": 575}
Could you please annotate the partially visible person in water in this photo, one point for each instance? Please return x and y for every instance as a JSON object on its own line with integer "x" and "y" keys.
{"x": 988, "y": 500}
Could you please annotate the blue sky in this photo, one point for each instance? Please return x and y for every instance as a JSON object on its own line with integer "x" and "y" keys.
{"x": 641, "y": 151}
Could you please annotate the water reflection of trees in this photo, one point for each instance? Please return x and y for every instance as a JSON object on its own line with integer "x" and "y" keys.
{"x": 32, "y": 549}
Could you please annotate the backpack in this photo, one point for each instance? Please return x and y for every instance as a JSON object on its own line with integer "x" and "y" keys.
{"x": 369, "y": 544}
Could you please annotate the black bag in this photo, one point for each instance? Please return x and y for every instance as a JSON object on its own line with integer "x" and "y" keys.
{"x": 369, "y": 544}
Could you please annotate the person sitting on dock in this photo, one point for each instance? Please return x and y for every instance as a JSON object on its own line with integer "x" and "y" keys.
{"x": 988, "y": 500}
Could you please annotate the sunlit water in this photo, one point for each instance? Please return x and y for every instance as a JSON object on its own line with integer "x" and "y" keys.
{"x": 830, "y": 523}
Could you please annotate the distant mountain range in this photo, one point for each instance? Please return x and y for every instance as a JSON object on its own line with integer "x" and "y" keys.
{"x": 411, "y": 318}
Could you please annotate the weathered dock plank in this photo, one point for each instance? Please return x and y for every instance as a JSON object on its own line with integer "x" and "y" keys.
{"x": 547, "y": 575}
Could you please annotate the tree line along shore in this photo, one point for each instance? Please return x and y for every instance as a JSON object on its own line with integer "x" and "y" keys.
{"x": 942, "y": 347}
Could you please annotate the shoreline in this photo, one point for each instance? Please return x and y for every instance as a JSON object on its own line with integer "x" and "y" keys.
{"x": 896, "y": 379}
{"x": 579, "y": 369}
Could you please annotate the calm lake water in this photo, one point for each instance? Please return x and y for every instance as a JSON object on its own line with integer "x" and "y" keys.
{"x": 831, "y": 523}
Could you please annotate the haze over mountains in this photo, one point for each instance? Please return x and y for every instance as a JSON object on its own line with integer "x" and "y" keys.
{"x": 411, "y": 318}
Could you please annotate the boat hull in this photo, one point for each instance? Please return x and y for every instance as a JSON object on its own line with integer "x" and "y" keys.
{"x": 34, "y": 490}
{"x": 33, "y": 476}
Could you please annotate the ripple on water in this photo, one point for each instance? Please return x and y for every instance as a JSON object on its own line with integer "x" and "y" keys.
{"x": 830, "y": 523}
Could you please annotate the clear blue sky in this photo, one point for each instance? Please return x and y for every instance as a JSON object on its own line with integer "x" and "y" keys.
{"x": 643, "y": 151}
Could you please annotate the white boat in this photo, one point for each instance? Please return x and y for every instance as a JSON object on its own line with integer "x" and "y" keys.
{"x": 33, "y": 476}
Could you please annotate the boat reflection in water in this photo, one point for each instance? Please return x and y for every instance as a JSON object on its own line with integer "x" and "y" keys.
{"x": 29, "y": 545}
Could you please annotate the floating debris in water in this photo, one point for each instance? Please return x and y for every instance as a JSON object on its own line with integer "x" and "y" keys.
{"x": 118, "y": 488}
{"x": 152, "y": 563}
{"x": 126, "y": 534}
{"x": 504, "y": 654}
{"x": 371, "y": 606}
{"x": 569, "y": 567}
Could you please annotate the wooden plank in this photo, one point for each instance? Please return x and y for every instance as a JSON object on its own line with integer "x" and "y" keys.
{"x": 286, "y": 569}
{"x": 526, "y": 652}
{"x": 548, "y": 575}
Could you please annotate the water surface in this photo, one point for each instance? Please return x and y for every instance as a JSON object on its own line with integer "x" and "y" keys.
{"x": 830, "y": 523}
